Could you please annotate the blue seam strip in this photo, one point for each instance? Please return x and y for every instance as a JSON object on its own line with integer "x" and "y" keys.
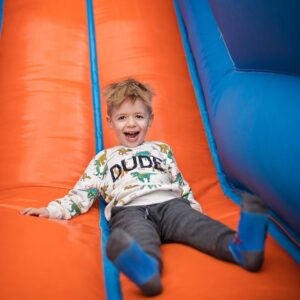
{"x": 284, "y": 241}
{"x": 1, "y": 14}
{"x": 274, "y": 230}
{"x": 111, "y": 275}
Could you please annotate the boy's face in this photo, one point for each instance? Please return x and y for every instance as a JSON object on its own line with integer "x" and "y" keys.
{"x": 130, "y": 121}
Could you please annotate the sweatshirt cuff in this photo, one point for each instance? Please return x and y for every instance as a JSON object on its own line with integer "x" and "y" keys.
{"x": 54, "y": 210}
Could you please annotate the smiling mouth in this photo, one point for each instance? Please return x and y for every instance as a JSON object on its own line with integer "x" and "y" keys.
{"x": 131, "y": 135}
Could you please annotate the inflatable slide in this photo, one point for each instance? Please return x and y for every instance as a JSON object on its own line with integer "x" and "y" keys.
{"x": 229, "y": 110}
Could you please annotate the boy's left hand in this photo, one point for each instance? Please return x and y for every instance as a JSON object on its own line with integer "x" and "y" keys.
{"x": 37, "y": 212}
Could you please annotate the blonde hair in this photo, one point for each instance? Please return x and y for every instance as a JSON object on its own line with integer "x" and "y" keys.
{"x": 117, "y": 93}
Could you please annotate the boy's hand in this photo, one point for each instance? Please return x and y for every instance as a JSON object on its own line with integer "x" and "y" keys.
{"x": 37, "y": 212}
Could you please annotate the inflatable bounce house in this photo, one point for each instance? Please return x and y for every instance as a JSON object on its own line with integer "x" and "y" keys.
{"x": 227, "y": 82}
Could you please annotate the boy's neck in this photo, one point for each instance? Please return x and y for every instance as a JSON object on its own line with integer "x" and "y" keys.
{"x": 120, "y": 145}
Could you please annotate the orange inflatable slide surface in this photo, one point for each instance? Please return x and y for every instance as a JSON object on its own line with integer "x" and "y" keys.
{"x": 48, "y": 137}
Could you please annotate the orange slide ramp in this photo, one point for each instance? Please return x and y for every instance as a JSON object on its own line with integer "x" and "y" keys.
{"x": 47, "y": 134}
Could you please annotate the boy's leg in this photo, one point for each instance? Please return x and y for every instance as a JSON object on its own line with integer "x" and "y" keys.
{"x": 181, "y": 223}
{"x": 246, "y": 247}
{"x": 134, "y": 248}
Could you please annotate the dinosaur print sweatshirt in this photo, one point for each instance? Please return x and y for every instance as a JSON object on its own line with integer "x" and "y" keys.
{"x": 147, "y": 174}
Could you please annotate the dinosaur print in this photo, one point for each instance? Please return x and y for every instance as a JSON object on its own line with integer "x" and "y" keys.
{"x": 92, "y": 193}
{"x": 109, "y": 198}
{"x": 123, "y": 151}
{"x": 186, "y": 195}
{"x": 179, "y": 179}
{"x": 164, "y": 148}
{"x": 100, "y": 162}
{"x": 142, "y": 176}
{"x": 170, "y": 155}
{"x": 85, "y": 176}
{"x": 143, "y": 153}
{"x": 74, "y": 210}
{"x": 153, "y": 186}
{"x": 103, "y": 191}
{"x": 101, "y": 174}
{"x": 102, "y": 159}
{"x": 132, "y": 186}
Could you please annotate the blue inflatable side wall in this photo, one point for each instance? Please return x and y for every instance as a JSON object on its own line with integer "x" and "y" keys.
{"x": 253, "y": 105}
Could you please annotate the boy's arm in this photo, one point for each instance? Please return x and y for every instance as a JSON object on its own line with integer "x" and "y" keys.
{"x": 81, "y": 197}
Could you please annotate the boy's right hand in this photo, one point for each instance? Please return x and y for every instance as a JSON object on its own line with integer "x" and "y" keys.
{"x": 37, "y": 212}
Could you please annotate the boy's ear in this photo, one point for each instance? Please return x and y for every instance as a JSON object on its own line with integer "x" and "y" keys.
{"x": 151, "y": 119}
{"x": 108, "y": 119}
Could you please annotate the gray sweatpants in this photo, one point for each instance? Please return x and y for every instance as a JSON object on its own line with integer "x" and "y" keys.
{"x": 173, "y": 221}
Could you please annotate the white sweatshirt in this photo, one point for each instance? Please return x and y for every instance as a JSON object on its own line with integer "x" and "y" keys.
{"x": 145, "y": 175}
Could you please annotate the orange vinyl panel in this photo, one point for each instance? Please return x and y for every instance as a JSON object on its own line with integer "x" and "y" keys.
{"x": 141, "y": 39}
{"x": 47, "y": 139}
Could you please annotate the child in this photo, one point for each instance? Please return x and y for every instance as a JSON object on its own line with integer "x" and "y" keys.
{"x": 149, "y": 202}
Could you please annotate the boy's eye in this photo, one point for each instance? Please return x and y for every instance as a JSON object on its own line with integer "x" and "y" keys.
{"x": 139, "y": 116}
{"x": 121, "y": 118}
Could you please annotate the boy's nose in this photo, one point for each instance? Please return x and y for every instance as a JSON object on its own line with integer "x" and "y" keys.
{"x": 131, "y": 122}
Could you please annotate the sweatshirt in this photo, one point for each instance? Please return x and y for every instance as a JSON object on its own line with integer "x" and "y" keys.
{"x": 144, "y": 175}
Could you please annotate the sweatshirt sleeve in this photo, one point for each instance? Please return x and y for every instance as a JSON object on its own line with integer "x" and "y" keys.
{"x": 176, "y": 175}
{"x": 82, "y": 196}
{"x": 177, "y": 178}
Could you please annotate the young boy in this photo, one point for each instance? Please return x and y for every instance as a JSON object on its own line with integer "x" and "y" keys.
{"x": 149, "y": 202}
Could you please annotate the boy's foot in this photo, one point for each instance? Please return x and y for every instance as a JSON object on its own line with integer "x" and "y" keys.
{"x": 247, "y": 247}
{"x": 129, "y": 258}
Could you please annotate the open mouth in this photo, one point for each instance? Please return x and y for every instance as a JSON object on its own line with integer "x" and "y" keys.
{"x": 131, "y": 135}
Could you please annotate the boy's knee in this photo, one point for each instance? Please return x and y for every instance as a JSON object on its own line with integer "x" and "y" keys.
{"x": 118, "y": 241}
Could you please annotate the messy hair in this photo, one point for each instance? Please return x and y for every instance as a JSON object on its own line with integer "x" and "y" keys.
{"x": 117, "y": 93}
